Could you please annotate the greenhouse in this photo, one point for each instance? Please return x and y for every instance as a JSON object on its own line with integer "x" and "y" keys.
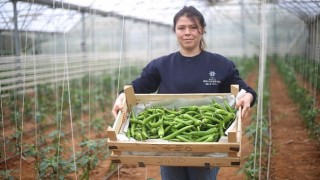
{"x": 65, "y": 63}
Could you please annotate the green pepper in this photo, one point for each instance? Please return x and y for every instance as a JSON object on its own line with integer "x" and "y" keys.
{"x": 228, "y": 107}
{"x": 161, "y": 131}
{"x": 144, "y": 132}
{"x": 133, "y": 120}
{"x": 221, "y": 128}
{"x": 138, "y": 136}
{"x": 222, "y": 112}
{"x": 209, "y": 139}
{"x": 216, "y": 105}
{"x": 183, "y": 139}
{"x": 195, "y": 120}
{"x": 146, "y": 120}
{"x": 166, "y": 129}
{"x": 154, "y": 131}
{"x": 174, "y": 134}
{"x": 202, "y": 138}
{"x": 212, "y": 119}
{"x": 203, "y": 133}
{"x": 171, "y": 112}
{"x": 157, "y": 124}
{"x": 132, "y": 129}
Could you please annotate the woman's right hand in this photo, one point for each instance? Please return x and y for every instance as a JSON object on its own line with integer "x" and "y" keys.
{"x": 118, "y": 104}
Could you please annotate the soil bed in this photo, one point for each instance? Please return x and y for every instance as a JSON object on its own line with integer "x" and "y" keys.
{"x": 295, "y": 156}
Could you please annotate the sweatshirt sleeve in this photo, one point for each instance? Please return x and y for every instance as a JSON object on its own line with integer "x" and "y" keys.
{"x": 234, "y": 78}
{"x": 149, "y": 80}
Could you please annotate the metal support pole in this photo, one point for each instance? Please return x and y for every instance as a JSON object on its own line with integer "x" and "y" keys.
{"x": 275, "y": 43}
{"x": 16, "y": 31}
{"x": 243, "y": 30}
{"x": 83, "y": 33}
{"x": 16, "y": 43}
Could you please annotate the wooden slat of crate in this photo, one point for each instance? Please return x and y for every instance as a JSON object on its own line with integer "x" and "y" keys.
{"x": 174, "y": 147}
{"x": 177, "y": 160}
{"x": 119, "y": 121}
{"x": 142, "y": 98}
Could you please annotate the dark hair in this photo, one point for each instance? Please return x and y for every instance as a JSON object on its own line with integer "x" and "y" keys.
{"x": 195, "y": 16}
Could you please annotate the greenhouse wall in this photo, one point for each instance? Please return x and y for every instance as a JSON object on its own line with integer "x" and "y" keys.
{"x": 146, "y": 40}
{"x": 113, "y": 36}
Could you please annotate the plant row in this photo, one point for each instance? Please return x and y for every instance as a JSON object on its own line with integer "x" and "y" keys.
{"x": 44, "y": 120}
{"x": 300, "y": 95}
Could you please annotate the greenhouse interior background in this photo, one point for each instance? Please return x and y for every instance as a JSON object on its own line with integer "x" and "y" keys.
{"x": 63, "y": 63}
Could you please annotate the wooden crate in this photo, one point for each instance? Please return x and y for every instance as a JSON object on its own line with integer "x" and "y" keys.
{"x": 174, "y": 153}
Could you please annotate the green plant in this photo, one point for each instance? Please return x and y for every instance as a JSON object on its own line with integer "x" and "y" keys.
{"x": 92, "y": 152}
{"x": 98, "y": 124}
{"x": 259, "y": 136}
{"x": 6, "y": 174}
{"x": 301, "y": 96}
{"x": 47, "y": 107}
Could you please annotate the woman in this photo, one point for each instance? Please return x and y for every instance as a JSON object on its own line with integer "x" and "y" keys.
{"x": 190, "y": 70}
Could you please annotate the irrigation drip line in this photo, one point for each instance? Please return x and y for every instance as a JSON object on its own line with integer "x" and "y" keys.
{"x": 113, "y": 172}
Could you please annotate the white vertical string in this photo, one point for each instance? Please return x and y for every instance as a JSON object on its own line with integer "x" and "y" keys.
{"x": 149, "y": 42}
{"x": 22, "y": 110}
{"x": 146, "y": 172}
{"x": 316, "y": 59}
{"x": 170, "y": 37}
{"x": 119, "y": 66}
{"x": 58, "y": 111}
{"x": 35, "y": 90}
{"x": 95, "y": 54}
{"x": 121, "y": 52}
{"x": 70, "y": 105}
{"x": 3, "y": 134}
{"x": 149, "y": 59}
{"x": 262, "y": 64}
{"x": 60, "y": 118}
{"x": 92, "y": 47}
{"x": 35, "y": 93}
{"x": 69, "y": 99}
{"x": 118, "y": 171}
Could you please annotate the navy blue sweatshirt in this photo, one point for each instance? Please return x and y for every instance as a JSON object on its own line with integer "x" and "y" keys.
{"x": 176, "y": 74}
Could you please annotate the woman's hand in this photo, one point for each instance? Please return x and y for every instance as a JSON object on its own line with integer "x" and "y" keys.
{"x": 118, "y": 104}
{"x": 244, "y": 102}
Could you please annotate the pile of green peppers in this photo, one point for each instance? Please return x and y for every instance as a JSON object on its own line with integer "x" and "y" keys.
{"x": 205, "y": 123}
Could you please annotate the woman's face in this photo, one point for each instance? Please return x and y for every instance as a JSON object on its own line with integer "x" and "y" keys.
{"x": 188, "y": 34}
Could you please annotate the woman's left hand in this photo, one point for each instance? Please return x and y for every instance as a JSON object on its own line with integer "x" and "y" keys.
{"x": 244, "y": 102}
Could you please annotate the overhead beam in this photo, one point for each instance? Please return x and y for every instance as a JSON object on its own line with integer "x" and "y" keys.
{"x": 216, "y": 2}
{"x": 89, "y": 10}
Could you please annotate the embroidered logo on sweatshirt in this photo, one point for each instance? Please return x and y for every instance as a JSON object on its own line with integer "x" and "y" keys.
{"x": 211, "y": 80}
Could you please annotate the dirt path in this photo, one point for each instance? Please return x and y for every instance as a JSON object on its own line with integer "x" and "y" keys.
{"x": 295, "y": 156}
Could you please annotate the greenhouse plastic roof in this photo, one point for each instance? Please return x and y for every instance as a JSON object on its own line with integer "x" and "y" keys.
{"x": 62, "y": 15}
